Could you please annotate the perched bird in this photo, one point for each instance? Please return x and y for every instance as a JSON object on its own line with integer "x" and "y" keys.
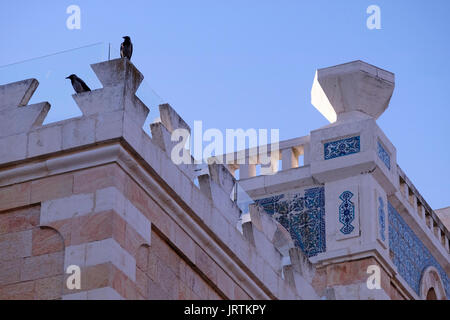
{"x": 126, "y": 48}
{"x": 78, "y": 85}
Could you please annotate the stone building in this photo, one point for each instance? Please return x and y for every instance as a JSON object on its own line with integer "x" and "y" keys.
{"x": 99, "y": 193}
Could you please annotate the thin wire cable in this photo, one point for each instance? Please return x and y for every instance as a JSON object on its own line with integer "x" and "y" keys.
{"x": 52, "y": 54}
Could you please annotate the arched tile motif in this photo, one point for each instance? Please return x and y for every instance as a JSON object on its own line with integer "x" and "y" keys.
{"x": 346, "y": 212}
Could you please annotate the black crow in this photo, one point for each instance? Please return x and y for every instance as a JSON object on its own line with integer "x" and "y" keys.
{"x": 126, "y": 48}
{"x": 78, "y": 85}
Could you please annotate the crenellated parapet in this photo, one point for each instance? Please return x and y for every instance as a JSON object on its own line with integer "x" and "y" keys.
{"x": 18, "y": 118}
{"x": 107, "y": 189}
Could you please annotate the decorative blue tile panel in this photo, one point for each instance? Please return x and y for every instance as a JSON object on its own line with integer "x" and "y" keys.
{"x": 303, "y": 215}
{"x": 384, "y": 156}
{"x": 409, "y": 254}
{"x": 381, "y": 218}
{"x": 346, "y": 212}
{"x": 342, "y": 147}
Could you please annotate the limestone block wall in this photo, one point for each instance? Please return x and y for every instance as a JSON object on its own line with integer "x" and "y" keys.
{"x": 23, "y": 246}
{"x": 97, "y": 192}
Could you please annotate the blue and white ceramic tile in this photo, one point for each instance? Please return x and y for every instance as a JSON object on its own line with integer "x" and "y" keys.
{"x": 303, "y": 215}
{"x": 410, "y": 255}
{"x": 343, "y": 147}
{"x": 384, "y": 156}
{"x": 346, "y": 212}
{"x": 381, "y": 218}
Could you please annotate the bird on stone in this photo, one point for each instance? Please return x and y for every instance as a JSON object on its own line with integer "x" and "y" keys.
{"x": 126, "y": 48}
{"x": 78, "y": 85}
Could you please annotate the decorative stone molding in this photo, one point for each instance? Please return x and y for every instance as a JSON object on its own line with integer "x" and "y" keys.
{"x": 431, "y": 280}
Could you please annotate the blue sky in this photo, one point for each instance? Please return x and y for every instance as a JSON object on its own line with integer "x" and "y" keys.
{"x": 250, "y": 64}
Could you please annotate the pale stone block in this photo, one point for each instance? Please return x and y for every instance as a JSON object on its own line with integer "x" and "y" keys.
{"x": 267, "y": 250}
{"x": 110, "y": 199}
{"x": 301, "y": 264}
{"x": 22, "y": 119}
{"x": 170, "y": 173}
{"x": 75, "y": 296}
{"x": 239, "y": 245}
{"x": 44, "y": 140}
{"x": 186, "y": 244}
{"x": 78, "y": 132}
{"x": 109, "y": 250}
{"x": 65, "y": 208}
{"x": 286, "y": 288}
{"x": 304, "y": 288}
{"x": 270, "y": 278}
{"x": 359, "y": 291}
{"x": 269, "y": 226}
{"x": 186, "y": 188}
{"x": 220, "y": 174}
{"x": 118, "y": 72}
{"x": 161, "y": 137}
{"x": 135, "y": 109}
{"x": 138, "y": 221}
{"x": 17, "y": 93}
{"x": 421, "y": 212}
{"x": 171, "y": 119}
{"x": 201, "y": 205}
{"x": 152, "y": 154}
{"x": 285, "y": 180}
{"x": 99, "y": 101}
{"x": 255, "y": 216}
{"x": 13, "y": 148}
{"x": 282, "y": 240}
{"x": 132, "y": 133}
{"x": 306, "y": 154}
{"x": 223, "y": 201}
{"x": 109, "y": 126}
{"x": 105, "y": 293}
{"x": 75, "y": 255}
{"x": 220, "y": 225}
{"x": 259, "y": 269}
